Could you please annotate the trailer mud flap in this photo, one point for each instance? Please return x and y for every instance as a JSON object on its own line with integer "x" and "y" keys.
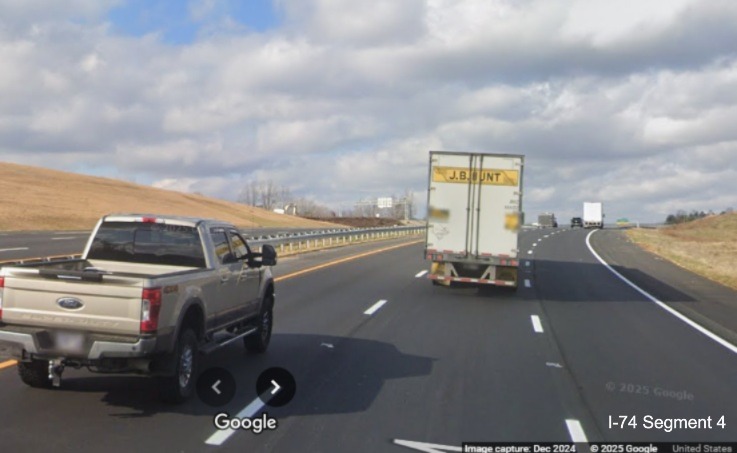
{"x": 506, "y": 274}
{"x": 437, "y": 274}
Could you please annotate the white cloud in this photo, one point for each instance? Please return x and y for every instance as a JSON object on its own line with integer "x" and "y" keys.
{"x": 605, "y": 22}
{"x": 349, "y": 23}
{"x": 632, "y": 103}
{"x": 540, "y": 194}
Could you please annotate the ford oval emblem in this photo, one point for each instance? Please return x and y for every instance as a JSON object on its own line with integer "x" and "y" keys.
{"x": 70, "y": 303}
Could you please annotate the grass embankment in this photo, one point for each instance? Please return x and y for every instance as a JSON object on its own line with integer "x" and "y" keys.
{"x": 33, "y": 198}
{"x": 707, "y": 246}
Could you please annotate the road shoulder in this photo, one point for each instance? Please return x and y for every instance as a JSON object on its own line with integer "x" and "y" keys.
{"x": 708, "y": 303}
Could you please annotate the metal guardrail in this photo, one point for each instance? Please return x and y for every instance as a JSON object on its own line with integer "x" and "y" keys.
{"x": 329, "y": 238}
{"x": 289, "y": 243}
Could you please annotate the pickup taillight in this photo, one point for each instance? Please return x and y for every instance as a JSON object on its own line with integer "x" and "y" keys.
{"x": 150, "y": 308}
{"x": 2, "y": 285}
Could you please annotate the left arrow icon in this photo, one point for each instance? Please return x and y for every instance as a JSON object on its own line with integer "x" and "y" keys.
{"x": 216, "y": 387}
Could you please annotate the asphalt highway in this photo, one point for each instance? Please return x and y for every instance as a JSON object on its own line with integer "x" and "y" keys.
{"x": 385, "y": 361}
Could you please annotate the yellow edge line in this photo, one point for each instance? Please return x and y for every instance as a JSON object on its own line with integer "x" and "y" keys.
{"x": 343, "y": 260}
{"x": 9, "y": 363}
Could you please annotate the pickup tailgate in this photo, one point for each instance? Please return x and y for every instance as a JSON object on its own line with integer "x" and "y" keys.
{"x": 112, "y": 305}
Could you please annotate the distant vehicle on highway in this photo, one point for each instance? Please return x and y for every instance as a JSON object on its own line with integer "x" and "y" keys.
{"x": 474, "y": 215}
{"x": 148, "y": 295}
{"x": 547, "y": 220}
{"x": 593, "y": 215}
{"x": 576, "y": 222}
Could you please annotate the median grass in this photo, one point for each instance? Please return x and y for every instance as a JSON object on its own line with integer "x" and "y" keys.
{"x": 707, "y": 246}
{"x": 33, "y": 198}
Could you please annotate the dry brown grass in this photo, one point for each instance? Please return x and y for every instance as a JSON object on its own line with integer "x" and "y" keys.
{"x": 707, "y": 246}
{"x": 34, "y": 198}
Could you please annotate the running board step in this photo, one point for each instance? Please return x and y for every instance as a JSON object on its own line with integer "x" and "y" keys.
{"x": 223, "y": 340}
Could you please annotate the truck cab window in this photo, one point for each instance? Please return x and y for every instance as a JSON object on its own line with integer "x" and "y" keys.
{"x": 238, "y": 244}
{"x": 221, "y": 246}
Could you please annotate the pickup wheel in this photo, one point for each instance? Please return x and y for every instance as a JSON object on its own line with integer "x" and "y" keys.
{"x": 179, "y": 387}
{"x": 259, "y": 340}
{"x": 35, "y": 373}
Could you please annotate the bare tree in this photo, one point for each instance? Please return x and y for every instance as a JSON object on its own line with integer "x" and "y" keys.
{"x": 308, "y": 208}
{"x": 250, "y": 194}
{"x": 264, "y": 194}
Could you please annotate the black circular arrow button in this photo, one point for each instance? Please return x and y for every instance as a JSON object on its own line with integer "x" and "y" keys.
{"x": 216, "y": 387}
{"x": 276, "y": 387}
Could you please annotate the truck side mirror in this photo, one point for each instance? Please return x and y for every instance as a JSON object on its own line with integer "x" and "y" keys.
{"x": 268, "y": 255}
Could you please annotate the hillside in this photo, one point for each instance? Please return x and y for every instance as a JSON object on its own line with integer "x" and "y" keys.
{"x": 707, "y": 246}
{"x": 33, "y": 198}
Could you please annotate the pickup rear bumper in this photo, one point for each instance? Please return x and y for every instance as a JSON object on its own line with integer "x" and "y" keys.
{"x": 24, "y": 343}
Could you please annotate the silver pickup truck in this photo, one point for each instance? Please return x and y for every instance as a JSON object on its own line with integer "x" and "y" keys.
{"x": 149, "y": 295}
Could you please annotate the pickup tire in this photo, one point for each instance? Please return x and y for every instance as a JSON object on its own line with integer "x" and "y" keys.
{"x": 35, "y": 373}
{"x": 258, "y": 342}
{"x": 180, "y": 386}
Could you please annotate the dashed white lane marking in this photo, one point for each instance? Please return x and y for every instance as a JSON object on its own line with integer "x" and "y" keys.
{"x": 426, "y": 447}
{"x": 665, "y": 307}
{"x": 535, "y": 244}
{"x": 576, "y": 431}
{"x": 529, "y": 252}
{"x": 527, "y": 263}
{"x": 420, "y": 274}
{"x": 527, "y": 283}
{"x": 14, "y": 249}
{"x": 536, "y": 324}
{"x": 375, "y": 307}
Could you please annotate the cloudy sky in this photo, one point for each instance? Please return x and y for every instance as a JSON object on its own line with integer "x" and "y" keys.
{"x": 631, "y": 102}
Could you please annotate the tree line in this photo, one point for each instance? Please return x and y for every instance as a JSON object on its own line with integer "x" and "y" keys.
{"x": 270, "y": 195}
{"x": 682, "y": 216}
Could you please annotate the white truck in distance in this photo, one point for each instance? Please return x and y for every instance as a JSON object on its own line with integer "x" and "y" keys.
{"x": 474, "y": 214}
{"x": 593, "y": 215}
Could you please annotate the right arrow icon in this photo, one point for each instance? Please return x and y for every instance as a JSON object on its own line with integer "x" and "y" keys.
{"x": 276, "y": 387}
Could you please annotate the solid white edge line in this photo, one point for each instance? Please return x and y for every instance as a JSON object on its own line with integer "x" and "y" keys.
{"x": 576, "y": 431}
{"x": 63, "y": 239}
{"x": 662, "y": 305}
{"x": 221, "y": 435}
{"x": 375, "y": 307}
{"x": 420, "y": 274}
{"x": 536, "y": 324}
{"x": 527, "y": 283}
